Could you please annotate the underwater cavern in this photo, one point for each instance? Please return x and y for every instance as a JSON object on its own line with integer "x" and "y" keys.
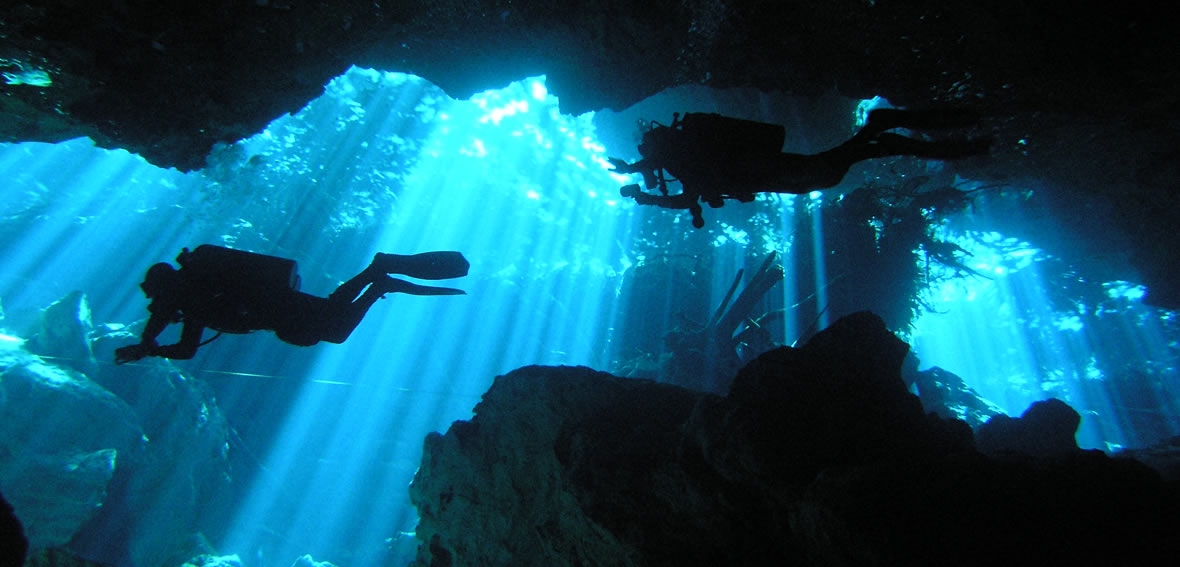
{"x": 968, "y": 360}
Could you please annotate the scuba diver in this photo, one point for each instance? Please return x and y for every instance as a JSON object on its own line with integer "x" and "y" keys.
{"x": 234, "y": 291}
{"x": 715, "y": 157}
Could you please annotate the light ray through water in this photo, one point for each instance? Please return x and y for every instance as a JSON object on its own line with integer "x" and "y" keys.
{"x": 509, "y": 182}
{"x": 387, "y": 162}
{"x": 1013, "y": 337}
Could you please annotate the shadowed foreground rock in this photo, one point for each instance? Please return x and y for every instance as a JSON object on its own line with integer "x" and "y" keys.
{"x": 817, "y": 455}
{"x": 13, "y": 545}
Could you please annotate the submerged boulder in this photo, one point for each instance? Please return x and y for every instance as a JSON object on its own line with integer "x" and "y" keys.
{"x": 180, "y": 484}
{"x": 837, "y": 401}
{"x": 62, "y": 439}
{"x": 1048, "y": 428}
{"x": 817, "y": 455}
{"x": 63, "y": 333}
{"x": 124, "y": 466}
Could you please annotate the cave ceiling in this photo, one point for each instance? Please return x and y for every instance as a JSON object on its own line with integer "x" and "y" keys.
{"x": 1081, "y": 97}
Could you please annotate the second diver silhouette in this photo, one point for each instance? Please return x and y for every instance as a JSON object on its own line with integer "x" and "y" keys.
{"x": 235, "y": 291}
{"x": 716, "y": 157}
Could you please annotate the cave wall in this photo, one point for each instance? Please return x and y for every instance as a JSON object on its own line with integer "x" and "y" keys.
{"x": 167, "y": 80}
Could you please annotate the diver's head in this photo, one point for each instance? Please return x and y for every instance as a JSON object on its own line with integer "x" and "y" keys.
{"x": 657, "y": 142}
{"x": 159, "y": 278}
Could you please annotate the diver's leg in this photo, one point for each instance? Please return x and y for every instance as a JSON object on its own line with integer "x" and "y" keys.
{"x": 842, "y": 157}
{"x": 800, "y": 174}
{"x": 895, "y": 145}
{"x": 427, "y": 265}
{"x": 382, "y": 284}
{"x": 343, "y": 315}
{"x": 349, "y": 290}
{"x": 883, "y": 119}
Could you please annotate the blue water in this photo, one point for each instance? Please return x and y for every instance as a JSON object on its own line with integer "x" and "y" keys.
{"x": 388, "y": 162}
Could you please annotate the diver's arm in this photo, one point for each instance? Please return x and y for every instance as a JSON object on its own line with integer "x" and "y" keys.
{"x": 157, "y": 322}
{"x": 155, "y": 325}
{"x": 678, "y": 201}
{"x": 624, "y": 167}
{"x": 688, "y": 201}
{"x": 650, "y": 177}
{"x": 190, "y": 341}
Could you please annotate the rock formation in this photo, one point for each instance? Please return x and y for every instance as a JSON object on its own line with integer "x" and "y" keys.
{"x": 13, "y": 544}
{"x": 817, "y": 455}
{"x": 63, "y": 331}
{"x": 126, "y": 463}
{"x": 63, "y": 438}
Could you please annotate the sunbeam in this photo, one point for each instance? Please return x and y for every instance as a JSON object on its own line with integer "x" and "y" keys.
{"x": 321, "y": 443}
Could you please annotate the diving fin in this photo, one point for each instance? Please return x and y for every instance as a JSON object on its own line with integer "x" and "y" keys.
{"x": 393, "y": 285}
{"x": 427, "y": 265}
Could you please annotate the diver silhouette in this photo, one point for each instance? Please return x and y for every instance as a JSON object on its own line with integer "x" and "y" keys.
{"x": 716, "y": 157}
{"x": 234, "y": 291}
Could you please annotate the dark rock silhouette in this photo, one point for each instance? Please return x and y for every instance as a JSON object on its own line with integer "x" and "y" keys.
{"x": 1163, "y": 457}
{"x": 13, "y": 545}
{"x": 1046, "y": 429}
{"x": 818, "y": 455}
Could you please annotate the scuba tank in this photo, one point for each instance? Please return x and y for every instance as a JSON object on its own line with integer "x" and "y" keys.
{"x": 710, "y": 132}
{"x": 697, "y": 146}
{"x": 699, "y": 141}
{"x": 245, "y": 280}
{"x": 249, "y": 271}
{"x": 733, "y": 135}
